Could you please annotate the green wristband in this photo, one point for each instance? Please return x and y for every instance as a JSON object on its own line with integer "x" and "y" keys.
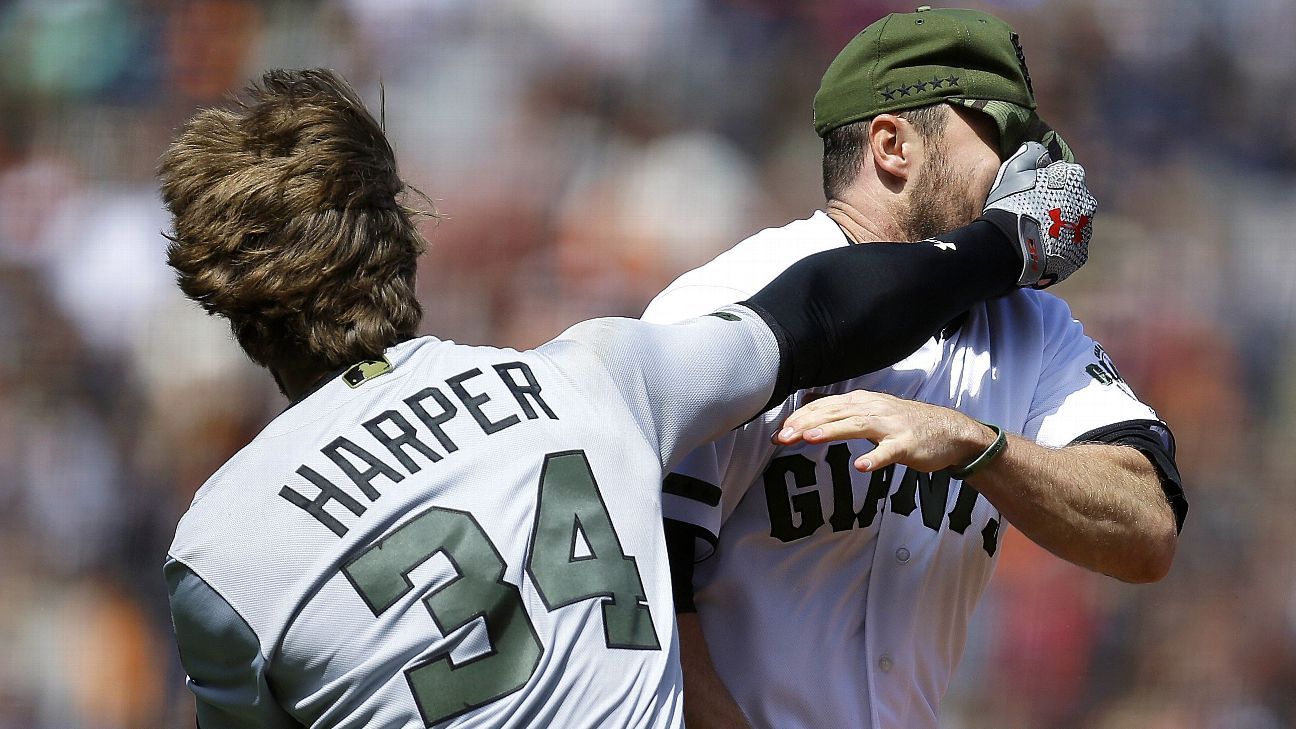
{"x": 1000, "y": 442}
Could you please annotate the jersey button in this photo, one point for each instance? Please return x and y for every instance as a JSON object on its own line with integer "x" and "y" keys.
{"x": 902, "y": 555}
{"x": 885, "y": 663}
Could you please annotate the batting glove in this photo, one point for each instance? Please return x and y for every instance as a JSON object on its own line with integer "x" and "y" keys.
{"x": 1047, "y": 209}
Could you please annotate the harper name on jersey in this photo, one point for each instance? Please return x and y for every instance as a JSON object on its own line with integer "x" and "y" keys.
{"x": 406, "y": 446}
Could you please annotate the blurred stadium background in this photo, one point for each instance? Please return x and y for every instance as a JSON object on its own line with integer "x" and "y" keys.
{"x": 586, "y": 152}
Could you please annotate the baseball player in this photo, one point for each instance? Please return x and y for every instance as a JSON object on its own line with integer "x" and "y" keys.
{"x": 435, "y": 534}
{"x": 829, "y": 584}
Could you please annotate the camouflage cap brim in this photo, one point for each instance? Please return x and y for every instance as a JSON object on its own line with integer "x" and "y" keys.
{"x": 1018, "y": 124}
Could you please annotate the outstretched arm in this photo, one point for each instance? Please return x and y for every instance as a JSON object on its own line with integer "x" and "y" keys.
{"x": 833, "y": 315}
{"x": 844, "y": 312}
{"x": 1102, "y": 506}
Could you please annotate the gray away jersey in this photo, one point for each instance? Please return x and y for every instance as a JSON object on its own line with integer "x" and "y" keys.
{"x": 472, "y": 539}
{"x": 833, "y": 598}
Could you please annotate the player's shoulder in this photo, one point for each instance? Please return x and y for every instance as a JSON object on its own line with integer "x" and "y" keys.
{"x": 223, "y": 490}
{"x": 745, "y": 268}
{"x": 759, "y": 258}
{"x": 1030, "y": 308}
{"x": 1030, "y": 321}
{"x": 1045, "y": 302}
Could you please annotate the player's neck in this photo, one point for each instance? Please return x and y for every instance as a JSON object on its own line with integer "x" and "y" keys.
{"x": 857, "y": 226}
{"x": 295, "y": 384}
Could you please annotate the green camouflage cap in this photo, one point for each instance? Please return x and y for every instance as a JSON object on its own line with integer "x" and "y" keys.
{"x": 907, "y": 60}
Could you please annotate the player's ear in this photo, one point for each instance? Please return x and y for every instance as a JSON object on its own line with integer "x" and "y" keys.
{"x": 895, "y": 146}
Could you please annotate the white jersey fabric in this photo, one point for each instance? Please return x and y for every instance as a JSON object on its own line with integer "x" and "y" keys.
{"x": 472, "y": 539}
{"x": 832, "y": 598}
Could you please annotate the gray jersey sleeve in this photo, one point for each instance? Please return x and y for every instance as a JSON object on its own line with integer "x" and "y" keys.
{"x": 685, "y": 383}
{"x": 222, "y": 657}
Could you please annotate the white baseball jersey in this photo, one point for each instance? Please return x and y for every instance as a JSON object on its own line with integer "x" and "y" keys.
{"x": 834, "y": 598}
{"x": 470, "y": 539}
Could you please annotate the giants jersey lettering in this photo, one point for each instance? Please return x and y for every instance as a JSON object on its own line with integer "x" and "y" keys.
{"x": 471, "y": 538}
{"x": 830, "y": 597}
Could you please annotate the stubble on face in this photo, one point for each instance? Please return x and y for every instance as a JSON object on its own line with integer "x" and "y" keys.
{"x": 943, "y": 198}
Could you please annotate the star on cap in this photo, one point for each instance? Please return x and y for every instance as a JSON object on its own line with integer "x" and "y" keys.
{"x": 904, "y": 90}
{"x": 921, "y": 86}
{"x": 952, "y": 80}
{"x": 936, "y": 82}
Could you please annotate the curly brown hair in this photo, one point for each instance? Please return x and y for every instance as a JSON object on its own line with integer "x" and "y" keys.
{"x": 286, "y": 222}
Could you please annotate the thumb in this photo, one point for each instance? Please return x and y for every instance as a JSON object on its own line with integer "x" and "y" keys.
{"x": 886, "y": 453}
{"x": 1017, "y": 173}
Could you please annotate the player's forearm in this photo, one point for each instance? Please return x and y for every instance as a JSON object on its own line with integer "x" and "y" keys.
{"x": 1095, "y": 505}
{"x": 852, "y": 310}
{"x": 707, "y": 702}
{"x": 845, "y": 312}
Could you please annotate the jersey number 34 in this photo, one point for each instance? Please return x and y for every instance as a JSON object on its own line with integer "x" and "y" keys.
{"x": 569, "y": 506}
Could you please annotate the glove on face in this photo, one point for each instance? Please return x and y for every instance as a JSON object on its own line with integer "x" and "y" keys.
{"x": 1046, "y": 207}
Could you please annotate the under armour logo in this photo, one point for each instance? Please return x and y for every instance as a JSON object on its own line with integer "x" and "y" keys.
{"x": 945, "y": 245}
{"x": 1076, "y": 229}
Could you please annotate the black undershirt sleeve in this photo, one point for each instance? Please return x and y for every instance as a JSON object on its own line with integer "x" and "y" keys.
{"x": 852, "y": 310}
{"x": 681, "y": 547}
{"x": 1154, "y": 440}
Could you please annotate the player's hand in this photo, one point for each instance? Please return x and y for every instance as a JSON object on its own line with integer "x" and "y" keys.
{"x": 1047, "y": 209}
{"x": 926, "y": 437}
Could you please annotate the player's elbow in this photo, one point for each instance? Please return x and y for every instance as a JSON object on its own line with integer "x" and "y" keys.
{"x": 1150, "y": 561}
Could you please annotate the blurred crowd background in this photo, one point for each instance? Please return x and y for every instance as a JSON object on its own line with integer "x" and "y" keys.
{"x": 584, "y": 153}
